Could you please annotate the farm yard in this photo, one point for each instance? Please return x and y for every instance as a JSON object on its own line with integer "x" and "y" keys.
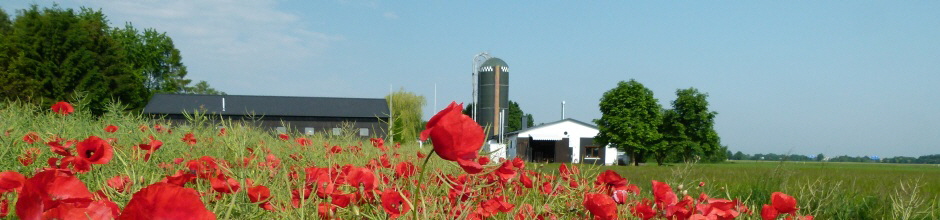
{"x": 127, "y": 166}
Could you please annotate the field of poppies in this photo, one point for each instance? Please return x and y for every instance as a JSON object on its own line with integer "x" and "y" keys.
{"x": 60, "y": 162}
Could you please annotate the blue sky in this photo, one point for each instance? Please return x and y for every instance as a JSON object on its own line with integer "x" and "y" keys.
{"x": 856, "y": 78}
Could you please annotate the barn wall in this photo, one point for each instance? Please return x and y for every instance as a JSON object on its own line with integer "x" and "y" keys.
{"x": 298, "y": 124}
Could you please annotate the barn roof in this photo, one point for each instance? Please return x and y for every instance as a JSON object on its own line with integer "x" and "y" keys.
{"x": 268, "y": 105}
{"x": 554, "y": 123}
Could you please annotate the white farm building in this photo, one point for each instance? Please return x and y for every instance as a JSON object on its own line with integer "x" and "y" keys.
{"x": 564, "y": 141}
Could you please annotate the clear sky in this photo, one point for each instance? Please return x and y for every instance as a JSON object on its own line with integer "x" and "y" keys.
{"x": 808, "y": 77}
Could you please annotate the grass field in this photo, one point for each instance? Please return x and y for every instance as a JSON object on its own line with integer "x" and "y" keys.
{"x": 825, "y": 190}
{"x": 837, "y": 190}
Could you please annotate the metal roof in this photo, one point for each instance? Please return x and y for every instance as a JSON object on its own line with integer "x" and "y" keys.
{"x": 494, "y": 62}
{"x": 553, "y": 123}
{"x": 268, "y": 105}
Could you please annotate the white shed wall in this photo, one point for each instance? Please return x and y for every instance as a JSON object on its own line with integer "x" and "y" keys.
{"x": 575, "y": 131}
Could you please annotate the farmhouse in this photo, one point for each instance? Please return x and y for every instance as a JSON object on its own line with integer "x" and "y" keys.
{"x": 307, "y": 115}
{"x": 564, "y": 141}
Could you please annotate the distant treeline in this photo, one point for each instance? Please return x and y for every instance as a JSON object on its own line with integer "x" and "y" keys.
{"x": 926, "y": 159}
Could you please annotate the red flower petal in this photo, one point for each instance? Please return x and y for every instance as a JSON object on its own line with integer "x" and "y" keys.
{"x": 48, "y": 189}
{"x": 63, "y": 108}
{"x": 94, "y": 150}
{"x": 394, "y": 204}
{"x": 11, "y": 181}
{"x": 111, "y": 128}
{"x": 768, "y": 212}
{"x": 454, "y": 134}
{"x": 223, "y": 184}
{"x": 601, "y": 206}
{"x": 783, "y": 203}
{"x": 258, "y": 194}
{"x": 166, "y": 201}
{"x": 470, "y": 166}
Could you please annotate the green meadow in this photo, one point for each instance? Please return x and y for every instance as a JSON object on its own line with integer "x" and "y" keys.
{"x": 827, "y": 190}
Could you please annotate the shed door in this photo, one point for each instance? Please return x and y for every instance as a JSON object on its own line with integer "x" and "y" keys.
{"x": 522, "y": 149}
{"x": 562, "y": 151}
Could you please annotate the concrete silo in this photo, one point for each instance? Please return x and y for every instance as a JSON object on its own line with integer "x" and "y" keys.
{"x": 493, "y": 97}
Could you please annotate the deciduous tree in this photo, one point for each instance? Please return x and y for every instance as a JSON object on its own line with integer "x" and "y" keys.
{"x": 630, "y": 119}
{"x": 52, "y": 54}
{"x": 406, "y": 115}
{"x": 697, "y": 126}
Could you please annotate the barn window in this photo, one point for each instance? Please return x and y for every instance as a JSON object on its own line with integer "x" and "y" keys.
{"x": 308, "y": 130}
{"x": 592, "y": 152}
{"x": 363, "y": 132}
{"x": 281, "y": 130}
{"x": 337, "y": 131}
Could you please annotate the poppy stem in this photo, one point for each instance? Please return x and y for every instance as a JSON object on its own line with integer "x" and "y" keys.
{"x": 420, "y": 178}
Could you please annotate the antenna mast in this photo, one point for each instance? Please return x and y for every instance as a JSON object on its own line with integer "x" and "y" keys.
{"x": 477, "y": 60}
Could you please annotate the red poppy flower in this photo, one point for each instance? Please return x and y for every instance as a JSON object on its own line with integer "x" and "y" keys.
{"x": 180, "y": 178}
{"x": 491, "y": 207}
{"x": 336, "y": 150}
{"x": 28, "y": 157}
{"x": 456, "y": 137}
{"x": 385, "y": 163}
{"x": 63, "y": 108}
{"x": 783, "y": 203}
{"x": 421, "y": 156}
{"x": 300, "y": 194}
{"x": 643, "y": 210}
{"x": 166, "y": 201}
{"x": 518, "y": 163}
{"x": 601, "y": 206}
{"x": 378, "y": 143}
{"x": 547, "y": 188}
{"x": 94, "y": 150}
{"x": 119, "y": 183}
{"x": 663, "y": 195}
{"x": 150, "y": 147}
{"x": 564, "y": 172}
{"x": 768, "y": 212}
{"x": 405, "y": 170}
{"x": 342, "y": 200}
{"x": 110, "y": 129}
{"x": 204, "y": 167}
{"x": 525, "y": 180}
{"x": 505, "y": 172}
{"x": 362, "y": 176}
{"x": 609, "y": 179}
{"x": 283, "y": 137}
{"x": 259, "y": 194}
{"x": 56, "y": 147}
{"x": 394, "y": 204}
{"x": 77, "y": 164}
{"x": 304, "y": 141}
{"x": 189, "y": 139}
{"x": 48, "y": 189}
{"x": 31, "y": 137}
{"x": 483, "y": 160}
{"x": 720, "y": 209}
{"x": 223, "y": 184}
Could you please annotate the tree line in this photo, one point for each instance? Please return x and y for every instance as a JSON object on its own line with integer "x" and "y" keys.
{"x": 926, "y": 159}
{"x": 54, "y": 54}
{"x": 633, "y": 121}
